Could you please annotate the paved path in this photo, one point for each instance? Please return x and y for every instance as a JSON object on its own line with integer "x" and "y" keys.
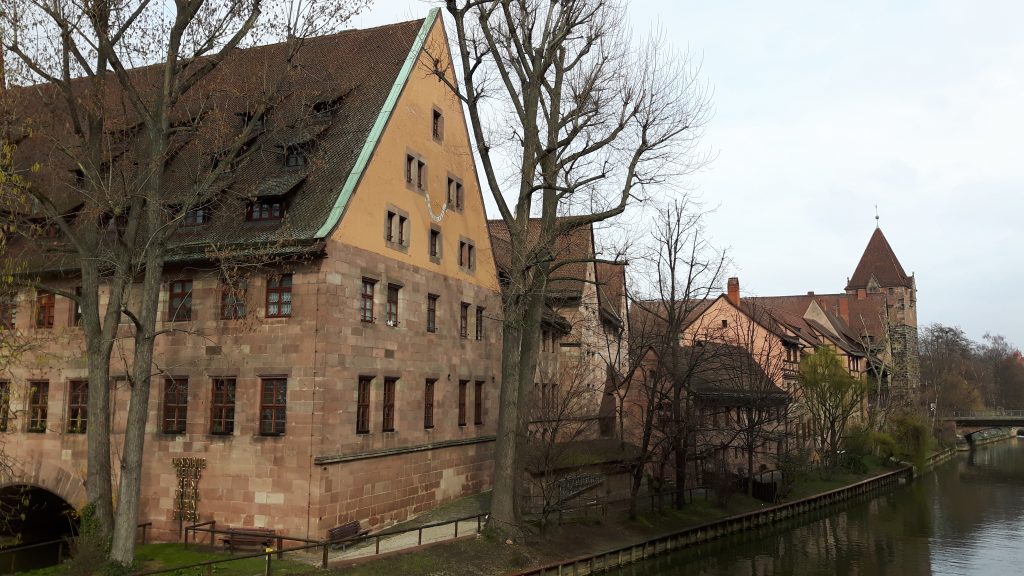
{"x": 395, "y": 542}
{"x": 406, "y": 540}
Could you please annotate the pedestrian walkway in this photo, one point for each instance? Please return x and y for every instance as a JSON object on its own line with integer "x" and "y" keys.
{"x": 441, "y": 524}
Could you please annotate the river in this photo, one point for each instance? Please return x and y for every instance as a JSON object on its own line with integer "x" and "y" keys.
{"x": 966, "y": 517}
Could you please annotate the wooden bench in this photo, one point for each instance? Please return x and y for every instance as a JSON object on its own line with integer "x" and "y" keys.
{"x": 339, "y": 535}
{"x": 261, "y": 538}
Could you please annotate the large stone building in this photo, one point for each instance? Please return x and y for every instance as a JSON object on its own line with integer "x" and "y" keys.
{"x": 353, "y": 377}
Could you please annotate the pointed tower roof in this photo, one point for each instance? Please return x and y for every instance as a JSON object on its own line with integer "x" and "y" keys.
{"x": 879, "y": 262}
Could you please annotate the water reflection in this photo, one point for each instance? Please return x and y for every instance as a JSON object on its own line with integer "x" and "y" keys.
{"x": 966, "y": 518}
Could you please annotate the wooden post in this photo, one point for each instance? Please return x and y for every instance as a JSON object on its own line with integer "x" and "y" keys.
{"x": 377, "y": 550}
{"x": 456, "y": 528}
{"x": 270, "y": 555}
{"x": 323, "y": 563}
{"x": 419, "y": 537}
{"x": 280, "y": 544}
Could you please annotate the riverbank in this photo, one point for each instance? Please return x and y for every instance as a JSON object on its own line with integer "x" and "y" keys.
{"x": 598, "y": 536}
{"x": 479, "y": 554}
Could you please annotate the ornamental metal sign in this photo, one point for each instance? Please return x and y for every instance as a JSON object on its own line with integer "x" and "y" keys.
{"x": 186, "y": 497}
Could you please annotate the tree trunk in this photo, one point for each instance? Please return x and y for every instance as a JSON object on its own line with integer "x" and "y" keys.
{"x": 126, "y": 517}
{"x": 504, "y": 517}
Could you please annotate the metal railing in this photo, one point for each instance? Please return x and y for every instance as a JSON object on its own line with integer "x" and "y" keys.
{"x": 324, "y": 545}
{"x": 9, "y": 556}
{"x": 988, "y": 414}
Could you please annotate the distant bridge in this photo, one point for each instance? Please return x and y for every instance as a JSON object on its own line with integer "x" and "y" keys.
{"x": 976, "y": 421}
{"x": 987, "y": 418}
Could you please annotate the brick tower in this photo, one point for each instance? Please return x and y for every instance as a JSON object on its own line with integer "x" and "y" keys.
{"x": 880, "y": 272}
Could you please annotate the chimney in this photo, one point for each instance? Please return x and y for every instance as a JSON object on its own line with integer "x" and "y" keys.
{"x": 810, "y": 292}
{"x": 734, "y": 290}
{"x": 844, "y": 309}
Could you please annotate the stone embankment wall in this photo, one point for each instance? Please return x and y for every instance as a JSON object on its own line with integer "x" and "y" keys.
{"x": 692, "y": 536}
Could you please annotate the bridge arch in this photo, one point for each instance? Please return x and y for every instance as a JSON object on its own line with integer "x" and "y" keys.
{"x": 50, "y": 477}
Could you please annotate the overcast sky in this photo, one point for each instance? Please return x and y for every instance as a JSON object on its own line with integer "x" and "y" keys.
{"x": 824, "y": 110}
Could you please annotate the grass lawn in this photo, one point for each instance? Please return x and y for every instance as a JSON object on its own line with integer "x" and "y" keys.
{"x": 156, "y": 556}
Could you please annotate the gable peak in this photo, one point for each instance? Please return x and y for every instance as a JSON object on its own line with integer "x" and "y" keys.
{"x": 878, "y": 264}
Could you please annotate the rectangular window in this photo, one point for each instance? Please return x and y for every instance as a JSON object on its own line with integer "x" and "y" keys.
{"x": 428, "y": 403}
{"x": 179, "y": 301}
{"x": 175, "y": 405}
{"x": 389, "y": 223}
{"x": 279, "y": 296}
{"x": 432, "y": 312}
{"x": 232, "y": 299}
{"x": 464, "y": 320}
{"x": 38, "y": 400}
{"x": 8, "y": 310}
{"x": 402, "y": 220}
{"x": 78, "y": 399}
{"x": 479, "y": 323}
{"x": 437, "y": 125}
{"x": 392, "y": 310}
{"x": 421, "y": 174}
{"x": 467, "y": 256}
{"x": 388, "y": 414}
{"x": 196, "y": 217}
{"x": 273, "y": 401}
{"x": 463, "y": 388}
{"x": 366, "y": 300}
{"x": 435, "y": 243}
{"x": 410, "y": 168}
{"x": 45, "y": 303}
{"x": 222, "y": 407}
{"x": 363, "y": 405}
{"x": 5, "y": 404}
{"x": 478, "y": 403}
{"x": 455, "y": 193}
{"x": 264, "y": 209}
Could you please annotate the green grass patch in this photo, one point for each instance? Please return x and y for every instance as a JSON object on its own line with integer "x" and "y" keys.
{"x": 159, "y": 556}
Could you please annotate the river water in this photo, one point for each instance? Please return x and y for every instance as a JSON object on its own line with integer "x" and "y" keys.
{"x": 966, "y": 517}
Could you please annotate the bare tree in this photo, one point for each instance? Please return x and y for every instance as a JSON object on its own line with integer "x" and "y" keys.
{"x": 688, "y": 270}
{"x": 125, "y": 128}
{"x": 747, "y": 373}
{"x": 590, "y": 120}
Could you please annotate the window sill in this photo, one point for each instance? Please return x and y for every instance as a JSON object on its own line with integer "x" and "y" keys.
{"x": 401, "y": 247}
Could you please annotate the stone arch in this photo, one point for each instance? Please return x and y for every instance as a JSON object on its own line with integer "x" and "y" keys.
{"x": 50, "y": 477}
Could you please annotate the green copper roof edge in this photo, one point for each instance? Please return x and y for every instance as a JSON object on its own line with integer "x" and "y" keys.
{"x": 378, "y": 127}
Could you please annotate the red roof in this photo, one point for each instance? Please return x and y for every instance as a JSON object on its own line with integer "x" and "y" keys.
{"x": 880, "y": 262}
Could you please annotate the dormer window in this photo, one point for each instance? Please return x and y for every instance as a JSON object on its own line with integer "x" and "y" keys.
{"x": 295, "y": 156}
{"x": 264, "y": 209}
{"x": 323, "y": 110}
{"x": 196, "y": 216}
{"x": 258, "y": 123}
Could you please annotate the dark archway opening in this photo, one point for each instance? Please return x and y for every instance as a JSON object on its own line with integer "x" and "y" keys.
{"x": 30, "y": 517}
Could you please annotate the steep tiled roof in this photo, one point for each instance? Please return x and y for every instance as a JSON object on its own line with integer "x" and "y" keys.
{"x": 611, "y": 288}
{"x": 728, "y": 373}
{"x": 575, "y": 250}
{"x": 354, "y": 70}
{"x": 880, "y": 262}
